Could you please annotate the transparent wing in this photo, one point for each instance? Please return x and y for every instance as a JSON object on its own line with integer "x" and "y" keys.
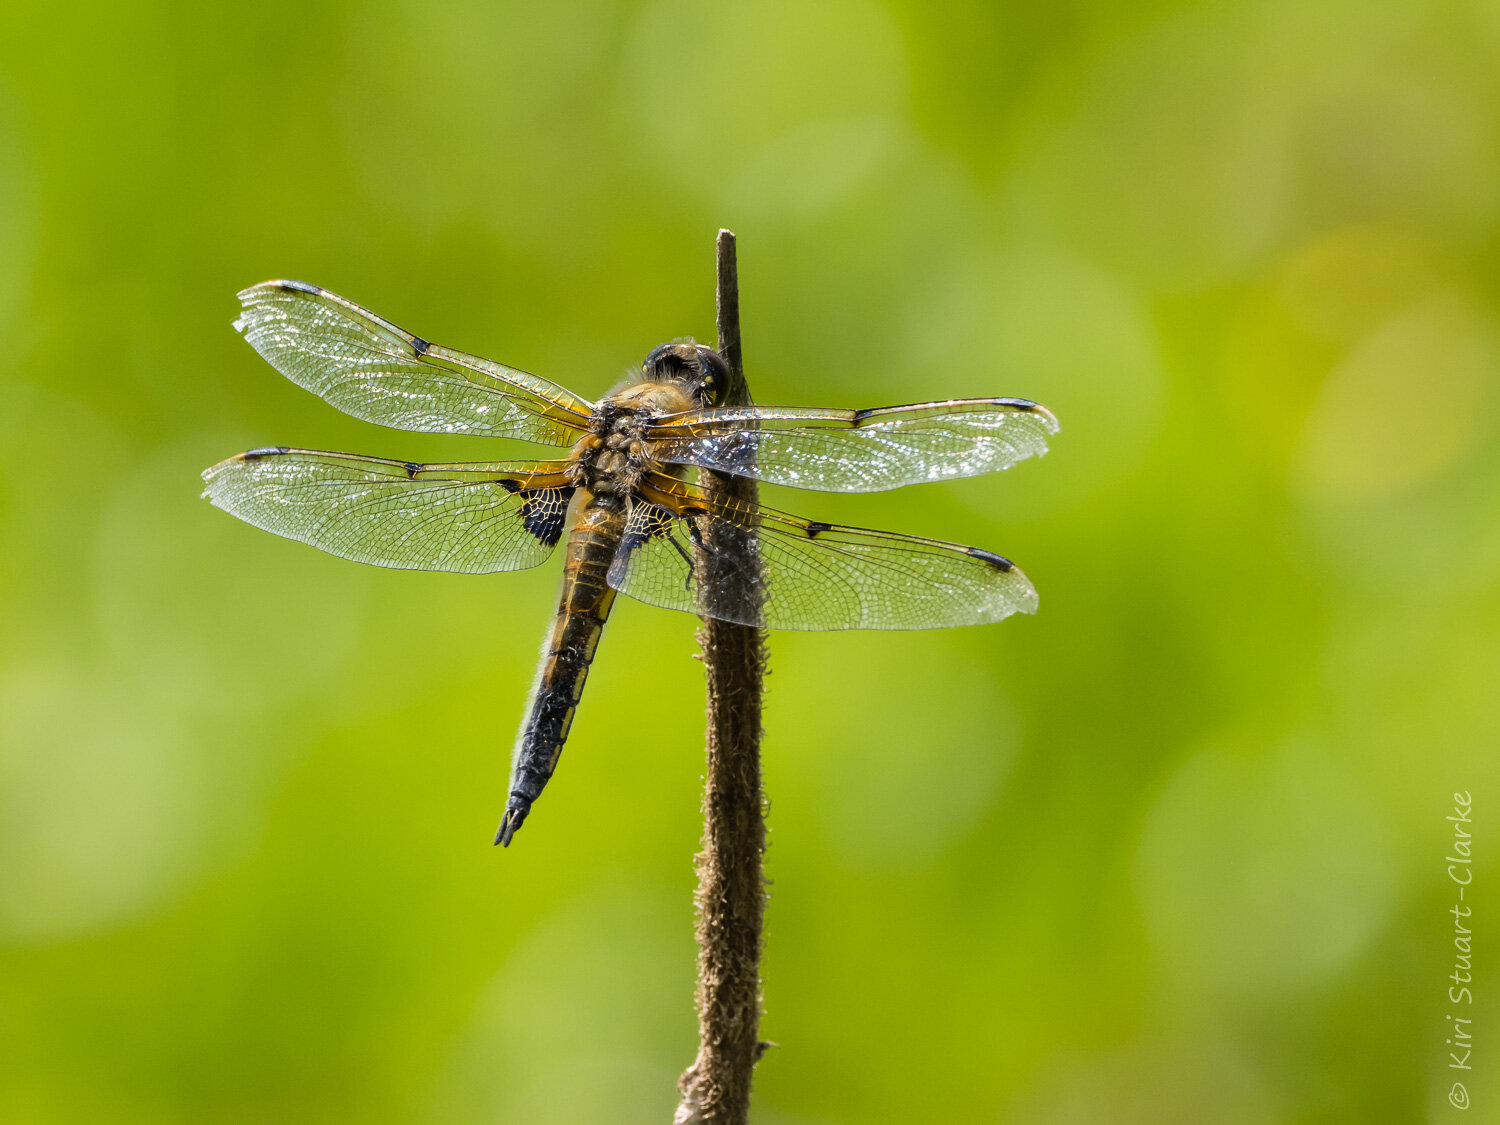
{"x": 856, "y": 450}
{"x": 474, "y": 518}
{"x": 801, "y": 574}
{"x": 377, "y": 372}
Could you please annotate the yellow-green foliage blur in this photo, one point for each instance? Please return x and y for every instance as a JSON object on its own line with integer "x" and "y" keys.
{"x": 1173, "y": 850}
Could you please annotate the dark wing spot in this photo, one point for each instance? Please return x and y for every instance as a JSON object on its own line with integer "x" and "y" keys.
{"x": 652, "y": 522}
{"x": 299, "y": 287}
{"x": 544, "y": 511}
{"x": 509, "y": 485}
{"x": 999, "y": 562}
{"x": 412, "y": 469}
{"x": 420, "y": 345}
{"x": 816, "y": 528}
{"x": 265, "y": 451}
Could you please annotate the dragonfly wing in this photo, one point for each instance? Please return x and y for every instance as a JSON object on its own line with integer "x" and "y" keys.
{"x": 368, "y": 367}
{"x": 856, "y": 450}
{"x": 800, "y": 574}
{"x": 474, "y": 518}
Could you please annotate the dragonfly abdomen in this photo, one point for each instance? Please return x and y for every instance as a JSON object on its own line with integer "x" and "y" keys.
{"x": 582, "y": 610}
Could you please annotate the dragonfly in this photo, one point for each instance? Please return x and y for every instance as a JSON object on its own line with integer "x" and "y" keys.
{"x": 629, "y": 495}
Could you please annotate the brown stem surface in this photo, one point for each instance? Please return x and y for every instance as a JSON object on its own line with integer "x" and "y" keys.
{"x": 731, "y": 896}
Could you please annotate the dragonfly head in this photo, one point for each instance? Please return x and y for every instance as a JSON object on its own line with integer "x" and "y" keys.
{"x": 699, "y": 370}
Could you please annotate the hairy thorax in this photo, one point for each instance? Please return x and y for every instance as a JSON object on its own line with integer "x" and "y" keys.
{"x": 610, "y": 459}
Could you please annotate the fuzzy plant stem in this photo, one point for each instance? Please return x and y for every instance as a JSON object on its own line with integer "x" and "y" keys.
{"x": 731, "y": 896}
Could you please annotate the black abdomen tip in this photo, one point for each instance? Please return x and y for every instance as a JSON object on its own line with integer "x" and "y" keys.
{"x": 510, "y": 823}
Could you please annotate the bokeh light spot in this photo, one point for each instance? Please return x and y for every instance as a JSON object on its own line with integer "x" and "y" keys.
{"x": 102, "y": 804}
{"x": 1260, "y": 871}
{"x": 1403, "y": 406}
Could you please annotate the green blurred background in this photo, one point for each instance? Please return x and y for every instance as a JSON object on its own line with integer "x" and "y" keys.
{"x": 1171, "y": 851}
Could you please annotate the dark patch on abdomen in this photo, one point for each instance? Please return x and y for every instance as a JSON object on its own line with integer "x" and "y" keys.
{"x": 584, "y": 607}
{"x": 551, "y": 715}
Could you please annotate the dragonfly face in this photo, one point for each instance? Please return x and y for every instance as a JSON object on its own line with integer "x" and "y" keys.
{"x": 699, "y": 371}
{"x": 639, "y": 526}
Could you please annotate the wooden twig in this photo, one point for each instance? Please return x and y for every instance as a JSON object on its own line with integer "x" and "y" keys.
{"x": 731, "y": 896}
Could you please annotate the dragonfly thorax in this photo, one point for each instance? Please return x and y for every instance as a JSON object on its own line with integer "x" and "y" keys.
{"x": 677, "y": 377}
{"x": 611, "y": 457}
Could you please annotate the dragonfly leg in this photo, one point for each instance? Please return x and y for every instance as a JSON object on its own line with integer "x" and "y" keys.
{"x": 687, "y": 583}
